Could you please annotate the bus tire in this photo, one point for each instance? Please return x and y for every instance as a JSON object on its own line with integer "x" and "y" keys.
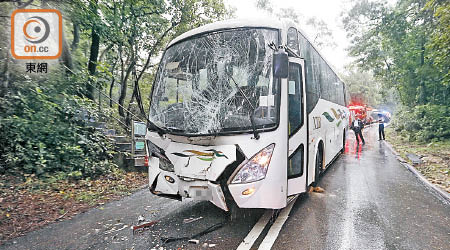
{"x": 319, "y": 165}
{"x": 235, "y": 213}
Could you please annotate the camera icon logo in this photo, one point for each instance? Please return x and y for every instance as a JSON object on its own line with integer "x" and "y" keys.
{"x": 36, "y": 34}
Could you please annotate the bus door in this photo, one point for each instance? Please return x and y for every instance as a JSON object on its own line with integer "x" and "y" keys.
{"x": 297, "y": 161}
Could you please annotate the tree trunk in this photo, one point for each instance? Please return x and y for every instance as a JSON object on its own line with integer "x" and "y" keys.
{"x": 4, "y": 76}
{"x": 423, "y": 88}
{"x": 111, "y": 86}
{"x": 76, "y": 37}
{"x": 139, "y": 100}
{"x": 110, "y": 91}
{"x": 123, "y": 89}
{"x": 95, "y": 45}
{"x": 135, "y": 95}
{"x": 154, "y": 48}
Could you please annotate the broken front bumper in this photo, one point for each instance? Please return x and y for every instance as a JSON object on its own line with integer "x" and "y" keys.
{"x": 168, "y": 184}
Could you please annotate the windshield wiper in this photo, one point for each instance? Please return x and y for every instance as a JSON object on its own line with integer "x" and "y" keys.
{"x": 255, "y": 132}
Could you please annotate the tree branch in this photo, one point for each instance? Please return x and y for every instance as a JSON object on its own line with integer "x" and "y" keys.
{"x": 152, "y": 51}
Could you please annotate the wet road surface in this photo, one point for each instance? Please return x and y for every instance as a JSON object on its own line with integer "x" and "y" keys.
{"x": 370, "y": 202}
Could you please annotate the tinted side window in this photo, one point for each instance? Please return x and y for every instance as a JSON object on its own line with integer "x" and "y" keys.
{"x": 312, "y": 83}
{"x": 295, "y": 91}
{"x": 295, "y": 167}
{"x": 292, "y": 39}
{"x": 321, "y": 81}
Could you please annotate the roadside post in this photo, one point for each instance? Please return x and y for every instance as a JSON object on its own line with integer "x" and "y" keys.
{"x": 138, "y": 147}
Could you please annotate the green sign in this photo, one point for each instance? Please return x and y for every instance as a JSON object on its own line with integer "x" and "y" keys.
{"x": 140, "y": 128}
{"x": 139, "y": 145}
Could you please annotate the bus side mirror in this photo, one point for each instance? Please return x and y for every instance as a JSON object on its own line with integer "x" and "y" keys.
{"x": 280, "y": 64}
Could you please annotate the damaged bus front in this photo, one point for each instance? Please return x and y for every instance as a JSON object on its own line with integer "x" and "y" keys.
{"x": 214, "y": 123}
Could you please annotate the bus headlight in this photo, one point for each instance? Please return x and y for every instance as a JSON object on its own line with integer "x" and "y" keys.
{"x": 164, "y": 163}
{"x": 255, "y": 168}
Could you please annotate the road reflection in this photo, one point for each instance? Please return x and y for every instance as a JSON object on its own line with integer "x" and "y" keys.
{"x": 354, "y": 148}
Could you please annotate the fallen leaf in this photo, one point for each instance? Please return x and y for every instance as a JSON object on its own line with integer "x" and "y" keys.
{"x": 318, "y": 190}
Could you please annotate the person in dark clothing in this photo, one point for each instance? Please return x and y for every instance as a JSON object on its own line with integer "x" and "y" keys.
{"x": 357, "y": 127}
{"x": 380, "y": 127}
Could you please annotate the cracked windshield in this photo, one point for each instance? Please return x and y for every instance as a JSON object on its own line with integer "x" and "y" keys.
{"x": 214, "y": 83}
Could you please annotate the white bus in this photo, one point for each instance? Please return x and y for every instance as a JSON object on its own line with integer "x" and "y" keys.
{"x": 243, "y": 113}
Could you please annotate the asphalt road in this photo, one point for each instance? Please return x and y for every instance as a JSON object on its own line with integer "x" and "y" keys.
{"x": 370, "y": 202}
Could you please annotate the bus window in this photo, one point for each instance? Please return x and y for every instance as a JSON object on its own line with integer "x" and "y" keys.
{"x": 295, "y": 167}
{"x": 292, "y": 39}
{"x": 312, "y": 78}
{"x": 295, "y": 98}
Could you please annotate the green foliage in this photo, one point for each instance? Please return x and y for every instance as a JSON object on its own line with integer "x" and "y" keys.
{"x": 407, "y": 48}
{"x": 396, "y": 43}
{"x": 362, "y": 86}
{"x": 316, "y": 28}
{"x": 424, "y": 122}
{"x": 42, "y": 131}
{"x": 44, "y": 121}
{"x": 440, "y": 38}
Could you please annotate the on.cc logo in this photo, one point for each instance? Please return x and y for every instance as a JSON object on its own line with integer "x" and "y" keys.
{"x": 36, "y": 34}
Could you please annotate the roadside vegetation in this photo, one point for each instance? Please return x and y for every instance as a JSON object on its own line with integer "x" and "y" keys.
{"x": 28, "y": 205}
{"x": 435, "y": 157}
{"x": 405, "y": 46}
{"x": 54, "y": 160}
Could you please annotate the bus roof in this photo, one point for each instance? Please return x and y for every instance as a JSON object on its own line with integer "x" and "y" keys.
{"x": 230, "y": 24}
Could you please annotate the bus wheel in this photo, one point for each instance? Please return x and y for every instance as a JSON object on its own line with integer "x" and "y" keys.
{"x": 319, "y": 165}
{"x": 233, "y": 212}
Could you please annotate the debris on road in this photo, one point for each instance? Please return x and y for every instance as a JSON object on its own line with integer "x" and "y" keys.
{"x": 193, "y": 241}
{"x": 316, "y": 190}
{"x": 189, "y": 220}
{"x": 206, "y": 231}
{"x": 113, "y": 230}
{"x": 414, "y": 158}
{"x": 145, "y": 225}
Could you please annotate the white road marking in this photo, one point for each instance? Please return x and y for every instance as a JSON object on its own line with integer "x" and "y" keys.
{"x": 275, "y": 229}
{"x": 256, "y": 231}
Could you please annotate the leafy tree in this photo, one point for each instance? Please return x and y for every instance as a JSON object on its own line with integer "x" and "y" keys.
{"x": 440, "y": 38}
{"x": 363, "y": 87}
{"x": 135, "y": 32}
{"x": 396, "y": 44}
{"x": 320, "y": 33}
{"x": 113, "y": 45}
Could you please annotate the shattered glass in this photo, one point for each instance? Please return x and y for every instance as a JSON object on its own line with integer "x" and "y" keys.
{"x": 194, "y": 92}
